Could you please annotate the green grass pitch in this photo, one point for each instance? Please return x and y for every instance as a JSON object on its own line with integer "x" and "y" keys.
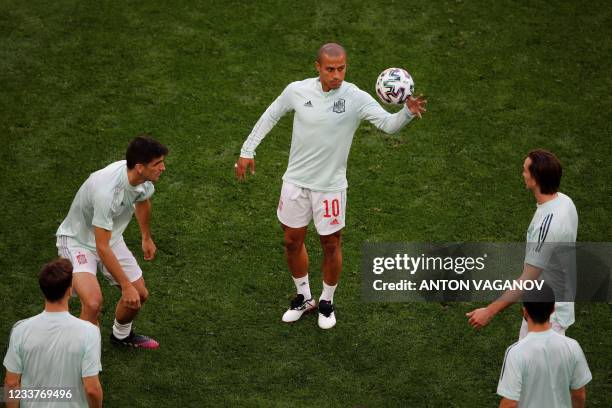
{"x": 78, "y": 79}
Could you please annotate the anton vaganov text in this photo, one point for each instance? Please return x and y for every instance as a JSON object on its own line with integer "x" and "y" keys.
{"x": 450, "y": 284}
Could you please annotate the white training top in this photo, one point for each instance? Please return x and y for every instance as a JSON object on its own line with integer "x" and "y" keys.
{"x": 54, "y": 350}
{"x": 323, "y": 128}
{"x": 555, "y": 221}
{"x": 540, "y": 370}
{"x": 106, "y": 200}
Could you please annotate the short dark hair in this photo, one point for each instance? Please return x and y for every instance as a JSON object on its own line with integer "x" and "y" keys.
{"x": 540, "y": 303}
{"x": 546, "y": 168}
{"x": 55, "y": 278}
{"x": 143, "y": 149}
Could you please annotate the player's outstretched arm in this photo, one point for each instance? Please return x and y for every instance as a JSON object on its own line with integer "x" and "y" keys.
{"x": 416, "y": 105}
{"x": 479, "y": 318}
{"x": 266, "y": 122}
{"x": 242, "y": 165}
{"x": 143, "y": 215}
{"x": 390, "y": 123}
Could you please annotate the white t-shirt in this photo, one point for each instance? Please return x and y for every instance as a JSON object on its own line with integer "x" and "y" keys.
{"x": 54, "y": 350}
{"x": 323, "y": 128}
{"x": 540, "y": 370}
{"x": 105, "y": 200}
{"x": 553, "y": 227}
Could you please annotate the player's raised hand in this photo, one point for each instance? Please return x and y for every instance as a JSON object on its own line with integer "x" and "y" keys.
{"x": 242, "y": 165}
{"x": 416, "y": 105}
{"x": 148, "y": 249}
{"x": 479, "y": 318}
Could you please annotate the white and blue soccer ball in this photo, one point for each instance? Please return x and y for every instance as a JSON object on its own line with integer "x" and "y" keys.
{"x": 394, "y": 86}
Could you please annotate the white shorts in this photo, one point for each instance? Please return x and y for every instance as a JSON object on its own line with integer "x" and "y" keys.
{"x": 298, "y": 206}
{"x": 554, "y": 325}
{"x": 85, "y": 260}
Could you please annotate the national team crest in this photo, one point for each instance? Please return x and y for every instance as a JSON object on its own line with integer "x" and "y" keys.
{"x": 339, "y": 106}
{"x": 81, "y": 259}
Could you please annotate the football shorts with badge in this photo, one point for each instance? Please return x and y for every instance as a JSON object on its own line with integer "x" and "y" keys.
{"x": 297, "y": 206}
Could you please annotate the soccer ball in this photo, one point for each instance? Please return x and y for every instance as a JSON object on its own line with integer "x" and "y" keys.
{"x": 394, "y": 86}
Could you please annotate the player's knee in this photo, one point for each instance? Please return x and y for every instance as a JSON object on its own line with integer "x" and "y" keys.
{"x": 330, "y": 247}
{"x": 292, "y": 244}
{"x": 92, "y": 306}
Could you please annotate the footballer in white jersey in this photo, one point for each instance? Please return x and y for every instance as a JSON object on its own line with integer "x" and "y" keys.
{"x": 554, "y": 223}
{"x": 554, "y": 227}
{"x": 545, "y": 368}
{"x": 55, "y": 349}
{"x": 328, "y": 111}
{"x": 91, "y": 235}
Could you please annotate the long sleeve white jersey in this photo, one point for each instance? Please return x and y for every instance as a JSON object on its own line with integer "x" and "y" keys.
{"x": 323, "y": 128}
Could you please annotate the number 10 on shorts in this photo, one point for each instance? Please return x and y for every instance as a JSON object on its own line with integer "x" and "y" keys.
{"x": 335, "y": 208}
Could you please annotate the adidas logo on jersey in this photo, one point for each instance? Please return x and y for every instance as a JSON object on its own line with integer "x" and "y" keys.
{"x": 334, "y": 222}
{"x": 308, "y": 104}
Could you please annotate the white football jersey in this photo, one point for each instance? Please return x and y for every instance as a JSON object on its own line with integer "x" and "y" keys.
{"x": 54, "y": 349}
{"x": 105, "y": 200}
{"x": 555, "y": 222}
{"x": 323, "y": 128}
{"x": 540, "y": 370}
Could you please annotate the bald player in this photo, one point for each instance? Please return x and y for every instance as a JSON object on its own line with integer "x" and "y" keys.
{"x": 328, "y": 111}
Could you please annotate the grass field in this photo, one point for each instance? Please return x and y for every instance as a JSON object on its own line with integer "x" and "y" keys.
{"x": 78, "y": 79}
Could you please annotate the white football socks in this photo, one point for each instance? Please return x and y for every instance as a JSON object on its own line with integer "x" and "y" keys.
{"x": 121, "y": 331}
{"x": 303, "y": 287}
{"x": 328, "y": 292}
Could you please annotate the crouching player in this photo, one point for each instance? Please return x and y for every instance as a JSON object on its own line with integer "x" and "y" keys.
{"x": 92, "y": 235}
